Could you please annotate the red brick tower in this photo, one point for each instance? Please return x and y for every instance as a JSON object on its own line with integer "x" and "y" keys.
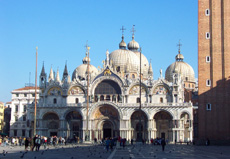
{"x": 214, "y": 70}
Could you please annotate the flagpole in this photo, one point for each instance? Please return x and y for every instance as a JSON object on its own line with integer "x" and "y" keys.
{"x": 35, "y": 101}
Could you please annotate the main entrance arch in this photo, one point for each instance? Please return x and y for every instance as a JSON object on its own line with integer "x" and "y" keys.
{"x": 163, "y": 125}
{"x": 139, "y": 124}
{"x": 105, "y": 122}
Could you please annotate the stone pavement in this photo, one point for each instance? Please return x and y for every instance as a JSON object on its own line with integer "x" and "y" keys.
{"x": 172, "y": 152}
{"x": 89, "y": 151}
{"x": 79, "y": 151}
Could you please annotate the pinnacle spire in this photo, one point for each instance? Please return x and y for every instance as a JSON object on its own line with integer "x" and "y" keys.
{"x": 57, "y": 76}
{"x": 51, "y": 76}
{"x": 150, "y": 71}
{"x": 65, "y": 73}
{"x": 43, "y": 73}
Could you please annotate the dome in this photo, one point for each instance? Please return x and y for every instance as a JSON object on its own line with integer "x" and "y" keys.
{"x": 133, "y": 45}
{"x": 184, "y": 69}
{"x": 121, "y": 59}
{"x": 144, "y": 63}
{"x": 81, "y": 71}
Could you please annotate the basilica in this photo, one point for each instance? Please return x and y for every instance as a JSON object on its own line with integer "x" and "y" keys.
{"x": 119, "y": 99}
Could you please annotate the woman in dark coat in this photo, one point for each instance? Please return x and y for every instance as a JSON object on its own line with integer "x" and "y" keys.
{"x": 163, "y": 143}
{"x": 26, "y": 144}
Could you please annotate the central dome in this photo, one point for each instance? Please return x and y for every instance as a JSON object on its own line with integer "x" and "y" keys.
{"x": 121, "y": 59}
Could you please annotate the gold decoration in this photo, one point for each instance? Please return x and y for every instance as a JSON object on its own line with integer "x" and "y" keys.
{"x": 136, "y": 90}
{"x": 75, "y": 91}
{"x": 107, "y": 72}
{"x": 55, "y": 91}
{"x": 160, "y": 90}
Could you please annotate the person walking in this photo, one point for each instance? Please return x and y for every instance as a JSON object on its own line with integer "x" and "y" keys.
{"x": 163, "y": 143}
{"x": 107, "y": 143}
{"x": 38, "y": 143}
{"x": 34, "y": 142}
{"x": 26, "y": 144}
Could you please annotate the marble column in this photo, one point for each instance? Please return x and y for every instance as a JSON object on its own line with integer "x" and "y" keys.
{"x": 174, "y": 136}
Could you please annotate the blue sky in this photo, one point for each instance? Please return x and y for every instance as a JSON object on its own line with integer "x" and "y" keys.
{"x": 60, "y": 29}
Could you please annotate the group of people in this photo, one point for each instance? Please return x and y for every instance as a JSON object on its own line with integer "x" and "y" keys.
{"x": 38, "y": 140}
{"x": 34, "y": 142}
{"x": 16, "y": 141}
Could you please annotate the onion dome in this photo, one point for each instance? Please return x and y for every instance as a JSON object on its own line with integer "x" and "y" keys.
{"x": 179, "y": 57}
{"x": 86, "y": 59}
{"x": 122, "y": 44}
{"x": 121, "y": 58}
{"x": 133, "y": 45}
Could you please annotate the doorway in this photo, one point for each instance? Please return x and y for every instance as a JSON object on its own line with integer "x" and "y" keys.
{"x": 53, "y": 133}
{"x": 107, "y": 130}
{"x": 107, "y": 133}
{"x": 163, "y": 135}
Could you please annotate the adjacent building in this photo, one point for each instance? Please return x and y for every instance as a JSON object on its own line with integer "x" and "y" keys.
{"x": 20, "y": 99}
{"x": 214, "y": 70}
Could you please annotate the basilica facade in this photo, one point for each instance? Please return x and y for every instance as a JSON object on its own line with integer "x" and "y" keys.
{"x": 119, "y": 99}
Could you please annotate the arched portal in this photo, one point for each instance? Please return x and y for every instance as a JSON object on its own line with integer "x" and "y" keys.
{"x": 105, "y": 122}
{"x": 74, "y": 125}
{"x": 50, "y": 122}
{"x": 139, "y": 124}
{"x": 107, "y": 90}
{"x": 163, "y": 125}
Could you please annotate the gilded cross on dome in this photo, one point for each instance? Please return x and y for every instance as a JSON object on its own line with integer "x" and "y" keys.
{"x": 123, "y": 29}
{"x": 87, "y": 48}
{"x": 133, "y": 30}
{"x": 179, "y": 45}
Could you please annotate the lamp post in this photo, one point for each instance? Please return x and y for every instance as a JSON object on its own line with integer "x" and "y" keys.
{"x": 87, "y": 113}
{"x": 35, "y": 100}
{"x": 139, "y": 125}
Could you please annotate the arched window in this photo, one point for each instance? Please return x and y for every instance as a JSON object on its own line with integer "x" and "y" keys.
{"x": 108, "y": 87}
{"x": 55, "y": 101}
{"x": 76, "y": 100}
{"x": 118, "y": 68}
{"x": 108, "y": 97}
{"x": 133, "y": 76}
{"x": 138, "y": 100}
{"x": 101, "y": 98}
